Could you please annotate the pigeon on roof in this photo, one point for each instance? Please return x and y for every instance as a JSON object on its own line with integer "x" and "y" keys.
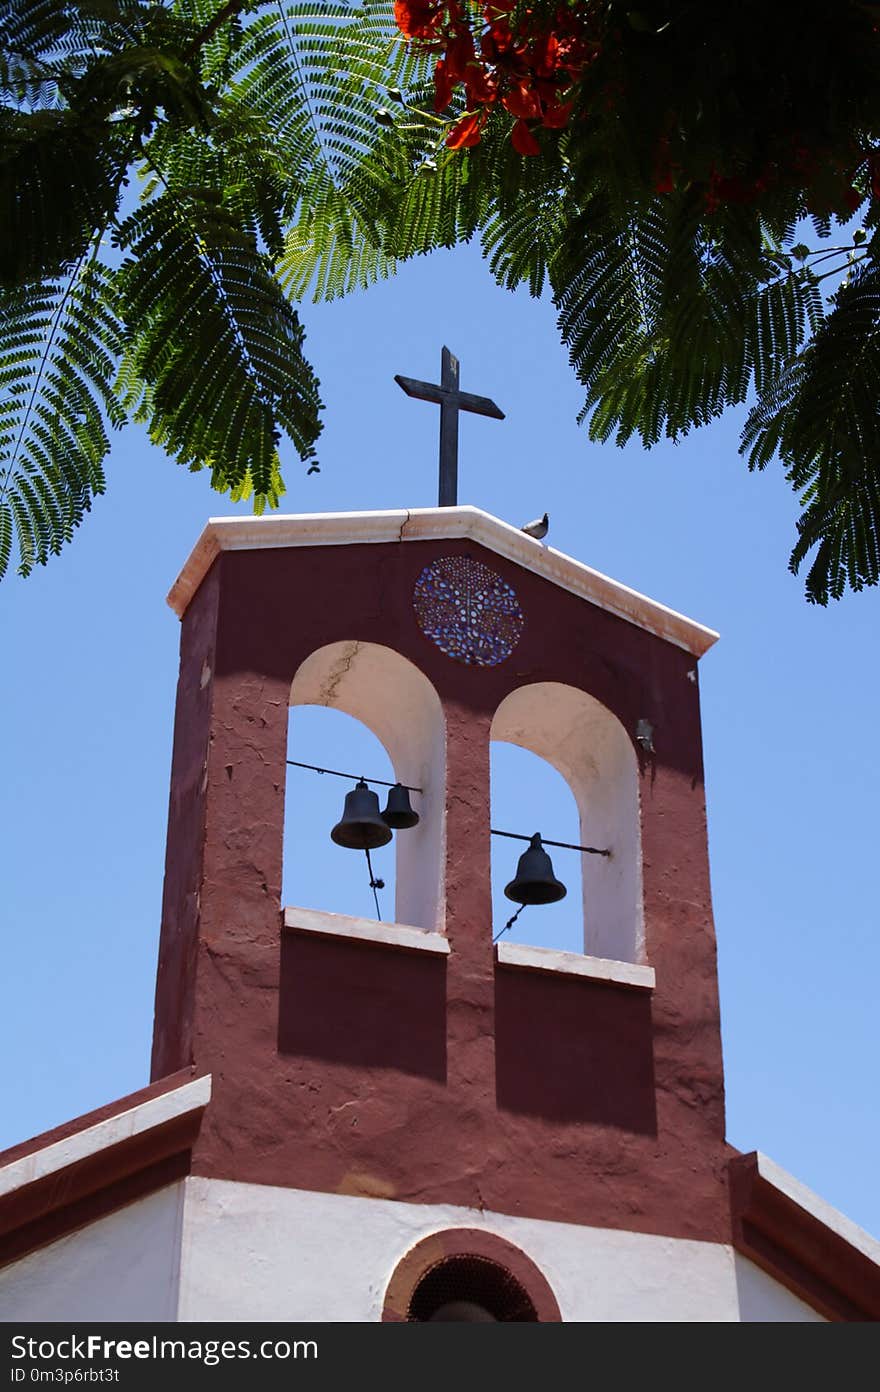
{"x": 538, "y": 528}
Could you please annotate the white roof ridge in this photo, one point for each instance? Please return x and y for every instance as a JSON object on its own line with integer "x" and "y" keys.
{"x": 83, "y": 1144}
{"x": 421, "y": 524}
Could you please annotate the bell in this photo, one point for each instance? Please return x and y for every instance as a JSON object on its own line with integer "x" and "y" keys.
{"x": 534, "y": 882}
{"x": 397, "y": 812}
{"x": 361, "y": 827}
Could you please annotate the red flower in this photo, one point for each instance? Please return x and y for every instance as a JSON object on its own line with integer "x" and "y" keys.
{"x": 496, "y": 43}
{"x": 523, "y": 140}
{"x": 443, "y": 86}
{"x": 733, "y": 189}
{"x": 479, "y": 87}
{"x": 546, "y": 54}
{"x": 522, "y": 102}
{"x": 556, "y": 117}
{"x": 466, "y": 132}
{"x": 416, "y": 19}
{"x": 664, "y": 182}
{"x": 459, "y": 54}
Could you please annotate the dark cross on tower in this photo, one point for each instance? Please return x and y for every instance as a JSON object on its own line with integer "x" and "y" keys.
{"x": 451, "y": 401}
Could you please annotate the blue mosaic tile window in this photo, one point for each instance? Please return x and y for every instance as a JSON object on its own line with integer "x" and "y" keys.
{"x": 471, "y": 614}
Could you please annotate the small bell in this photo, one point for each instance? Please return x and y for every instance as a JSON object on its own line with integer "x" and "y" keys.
{"x": 361, "y": 827}
{"x": 534, "y": 882}
{"x": 398, "y": 813}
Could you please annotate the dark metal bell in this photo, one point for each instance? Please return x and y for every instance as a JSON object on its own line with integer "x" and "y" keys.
{"x": 397, "y": 812}
{"x": 535, "y": 882}
{"x": 361, "y": 827}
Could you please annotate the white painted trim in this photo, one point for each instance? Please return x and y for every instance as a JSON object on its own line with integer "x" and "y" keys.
{"x": 419, "y": 524}
{"x": 365, "y": 930}
{"x": 547, "y": 959}
{"x": 831, "y": 1217}
{"x": 189, "y": 1097}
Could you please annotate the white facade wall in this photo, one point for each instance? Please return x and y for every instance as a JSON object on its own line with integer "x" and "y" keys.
{"x": 763, "y": 1300}
{"x": 254, "y": 1252}
{"x": 220, "y": 1251}
{"x": 122, "y": 1267}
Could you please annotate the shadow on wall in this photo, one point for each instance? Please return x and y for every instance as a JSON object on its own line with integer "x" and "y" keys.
{"x": 362, "y": 1004}
{"x": 569, "y": 1050}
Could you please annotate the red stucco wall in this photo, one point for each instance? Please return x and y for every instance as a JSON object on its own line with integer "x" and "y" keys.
{"x": 358, "y": 1068}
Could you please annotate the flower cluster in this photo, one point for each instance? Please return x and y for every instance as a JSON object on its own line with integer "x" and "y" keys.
{"x": 528, "y": 67}
{"x": 505, "y": 56}
{"x": 826, "y": 181}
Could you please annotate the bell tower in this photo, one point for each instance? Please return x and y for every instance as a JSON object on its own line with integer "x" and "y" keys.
{"x": 414, "y": 1067}
{"x": 422, "y": 1120}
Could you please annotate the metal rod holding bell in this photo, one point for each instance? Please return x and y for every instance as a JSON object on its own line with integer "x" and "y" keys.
{"x": 337, "y": 773}
{"x": 564, "y": 845}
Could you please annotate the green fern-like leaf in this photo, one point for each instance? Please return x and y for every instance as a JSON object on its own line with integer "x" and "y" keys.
{"x": 58, "y": 348}
{"x": 214, "y": 356}
{"x": 59, "y": 181}
{"x": 821, "y": 415}
{"x": 367, "y": 193}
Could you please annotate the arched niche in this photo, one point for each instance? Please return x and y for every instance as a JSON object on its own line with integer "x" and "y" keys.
{"x": 590, "y": 748}
{"x": 528, "y": 794}
{"x": 316, "y": 874}
{"x": 389, "y": 695}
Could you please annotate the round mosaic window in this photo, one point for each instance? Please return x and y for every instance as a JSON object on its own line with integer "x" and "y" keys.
{"x": 468, "y": 611}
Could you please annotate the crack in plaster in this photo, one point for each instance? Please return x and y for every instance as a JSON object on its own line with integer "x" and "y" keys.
{"x": 330, "y": 688}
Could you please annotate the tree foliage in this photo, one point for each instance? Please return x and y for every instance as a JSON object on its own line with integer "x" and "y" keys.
{"x": 170, "y": 313}
{"x": 678, "y": 178}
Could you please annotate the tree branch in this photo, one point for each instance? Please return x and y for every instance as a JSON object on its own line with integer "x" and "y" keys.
{"x": 207, "y": 32}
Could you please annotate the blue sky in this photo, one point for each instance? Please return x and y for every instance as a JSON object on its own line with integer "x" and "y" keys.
{"x": 788, "y": 697}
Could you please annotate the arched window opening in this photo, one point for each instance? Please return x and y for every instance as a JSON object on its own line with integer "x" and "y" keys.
{"x": 589, "y": 747}
{"x": 528, "y": 795}
{"x": 468, "y": 1276}
{"x": 317, "y": 872}
{"x": 470, "y": 1289}
{"x": 404, "y": 741}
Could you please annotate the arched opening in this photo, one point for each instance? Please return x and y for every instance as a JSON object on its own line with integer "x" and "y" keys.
{"x": 468, "y": 1276}
{"x": 529, "y": 795}
{"x": 317, "y": 873}
{"x": 400, "y": 708}
{"x": 589, "y": 747}
{"x": 469, "y": 1289}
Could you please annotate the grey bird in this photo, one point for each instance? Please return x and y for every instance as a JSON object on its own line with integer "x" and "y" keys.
{"x": 537, "y": 529}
